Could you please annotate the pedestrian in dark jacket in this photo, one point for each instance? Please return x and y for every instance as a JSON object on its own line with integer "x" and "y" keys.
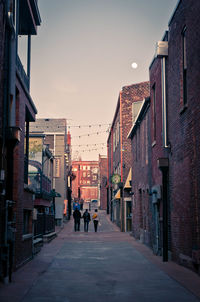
{"x": 86, "y": 217}
{"x": 77, "y": 217}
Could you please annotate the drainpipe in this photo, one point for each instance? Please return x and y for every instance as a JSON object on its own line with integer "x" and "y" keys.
{"x": 164, "y": 103}
{"x": 29, "y": 60}
{"x": 163, "y": 163}
{"x": 162, "y": 53}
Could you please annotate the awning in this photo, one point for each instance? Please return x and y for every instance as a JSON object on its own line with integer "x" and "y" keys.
{"x": 55, "y": 194}
{"x": 129, "y": 178}
{"x": 42, "y": 202}
{"x": 117, "y": 195}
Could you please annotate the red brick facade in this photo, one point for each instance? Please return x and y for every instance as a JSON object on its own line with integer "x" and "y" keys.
{"x": 85, "y": 183}
{"x": 24, "y": 199}
{"x": 166, "y": 210}
{"x": 183, "y": 131}
{"x": 141, "y": 207}
{"x": 119, "y": 147}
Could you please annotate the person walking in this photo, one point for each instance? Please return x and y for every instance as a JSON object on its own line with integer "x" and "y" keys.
{"x": 95, "y": 218}
{"x": 77, "y": 218}
{"x": 86, "y": 217}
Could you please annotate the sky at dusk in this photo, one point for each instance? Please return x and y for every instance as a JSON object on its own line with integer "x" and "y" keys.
{"x": 82, "y": 56}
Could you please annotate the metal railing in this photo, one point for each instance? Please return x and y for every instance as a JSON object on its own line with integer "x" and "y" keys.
{"x": 44, "y": 224}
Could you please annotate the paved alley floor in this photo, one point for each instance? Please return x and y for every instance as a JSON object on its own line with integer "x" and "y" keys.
{"x": 107, "y": 266}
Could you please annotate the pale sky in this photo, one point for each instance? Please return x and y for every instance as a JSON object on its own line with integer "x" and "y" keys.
{"x": 82, "y": 56}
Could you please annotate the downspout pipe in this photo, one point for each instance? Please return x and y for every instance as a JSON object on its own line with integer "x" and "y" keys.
{"x": 162, "y": 53}
{"x": 29, "y": 60}
{"x": 164, "y": 103}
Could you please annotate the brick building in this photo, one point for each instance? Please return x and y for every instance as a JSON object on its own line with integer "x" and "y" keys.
{"x": 17, "y": 110}
{"x": 184, "y": 115}
{"x": 102, "y": 178}
{"x": 175, "y": 137}
{"x": 85, "y": 183}
{"x": 173, "y": 173}
{"x": 119, "y": 153}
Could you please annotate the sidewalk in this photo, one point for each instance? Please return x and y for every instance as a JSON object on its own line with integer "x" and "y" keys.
{"x": 127, "y": 265}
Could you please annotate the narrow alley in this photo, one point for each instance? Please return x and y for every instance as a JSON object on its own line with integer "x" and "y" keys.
{"x": 105, "y": 266}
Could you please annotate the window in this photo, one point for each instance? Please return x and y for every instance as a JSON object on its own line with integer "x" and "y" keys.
{"x": 26, "y": 151}
{"x": 27, "y": 228}
{"x": 184, "y": 66}
{"x": 94, "y": 170}
{"x": 154, "y": 111}
{"x": 84, "y": 174}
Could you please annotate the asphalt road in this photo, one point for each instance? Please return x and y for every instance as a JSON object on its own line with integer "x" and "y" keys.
{"x": 93, "y": 267}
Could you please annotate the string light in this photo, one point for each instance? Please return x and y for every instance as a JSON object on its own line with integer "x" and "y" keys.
{"x": 95, "y": 144}
{"x": 88, "y": 134}
{"x": 89, "y": 150}
{"x": 88, "y": 126}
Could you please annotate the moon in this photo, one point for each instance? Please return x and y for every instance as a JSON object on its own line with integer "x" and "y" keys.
{"x": 134, "y": 65}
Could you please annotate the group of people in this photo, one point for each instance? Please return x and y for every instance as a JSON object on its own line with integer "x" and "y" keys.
{"x": 86, "y": 217}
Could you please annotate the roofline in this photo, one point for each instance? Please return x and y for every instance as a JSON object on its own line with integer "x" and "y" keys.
{"x": 115, "y": 115}
{"x": 118, "y": 104}
{"x": 176, "y": 7}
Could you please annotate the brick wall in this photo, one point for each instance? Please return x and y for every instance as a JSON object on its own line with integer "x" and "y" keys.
{"x": 130, "y": 94}
{"x": 23, "y": 199}
{"x": 119, "y": 156}
{"x": 184, "y": 131}
{"x": 103, "y": 181}
{"x": 141, "y": 180}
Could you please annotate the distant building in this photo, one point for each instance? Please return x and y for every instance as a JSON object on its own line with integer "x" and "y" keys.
{"x": 85, "y": 183}
{"x": 55, "y": 131}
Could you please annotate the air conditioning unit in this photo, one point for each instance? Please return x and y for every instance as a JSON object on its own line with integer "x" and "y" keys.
{"x": 161, "y": 49}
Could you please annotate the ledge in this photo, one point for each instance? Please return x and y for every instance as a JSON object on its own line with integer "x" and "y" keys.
{"x": 49, "y": 237}
{"x": 27, "y": 236}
